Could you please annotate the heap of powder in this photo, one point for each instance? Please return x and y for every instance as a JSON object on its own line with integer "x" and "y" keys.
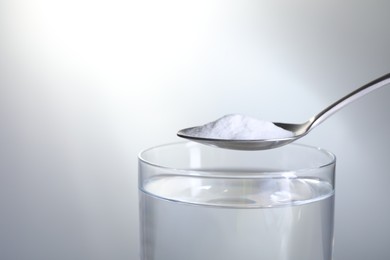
{"x": 239, "y": 127}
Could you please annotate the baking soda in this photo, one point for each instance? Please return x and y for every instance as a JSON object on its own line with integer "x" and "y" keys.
{"x": 239, "y": 127}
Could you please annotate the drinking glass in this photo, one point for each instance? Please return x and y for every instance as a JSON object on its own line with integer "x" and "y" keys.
{"x": 203, "y": 203}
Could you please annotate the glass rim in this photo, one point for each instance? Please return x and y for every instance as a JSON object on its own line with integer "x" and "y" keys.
{"x": 197, "y": 171}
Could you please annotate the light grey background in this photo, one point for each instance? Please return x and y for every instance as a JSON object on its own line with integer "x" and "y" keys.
{"x": 85, "y": 85}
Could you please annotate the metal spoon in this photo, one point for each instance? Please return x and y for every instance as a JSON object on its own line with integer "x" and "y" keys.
{"x": 298, "y": 130}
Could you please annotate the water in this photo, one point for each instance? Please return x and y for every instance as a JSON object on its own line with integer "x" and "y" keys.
{"x": 193, "y": 218}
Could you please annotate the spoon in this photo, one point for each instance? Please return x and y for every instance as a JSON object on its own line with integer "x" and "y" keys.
{"x": 298, "y": 130}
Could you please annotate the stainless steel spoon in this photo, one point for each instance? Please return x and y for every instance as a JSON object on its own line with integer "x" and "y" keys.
{"x": 298, "y": 130}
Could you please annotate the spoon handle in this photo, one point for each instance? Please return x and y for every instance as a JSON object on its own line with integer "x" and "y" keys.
{"x": 358, "y": 93}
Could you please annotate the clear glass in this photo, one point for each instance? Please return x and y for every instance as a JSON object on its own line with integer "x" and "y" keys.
{"x": 202, "y": 203}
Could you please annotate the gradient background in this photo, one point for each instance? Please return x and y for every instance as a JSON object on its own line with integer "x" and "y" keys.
{"x": 85, "y": 85}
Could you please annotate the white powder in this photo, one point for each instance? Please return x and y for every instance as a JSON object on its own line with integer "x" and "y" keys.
{"x": 239, "y": 127}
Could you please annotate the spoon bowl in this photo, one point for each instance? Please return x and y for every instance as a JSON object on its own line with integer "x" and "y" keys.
{"x": 250, "y": 145}
{"x": 298, "y": 130}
